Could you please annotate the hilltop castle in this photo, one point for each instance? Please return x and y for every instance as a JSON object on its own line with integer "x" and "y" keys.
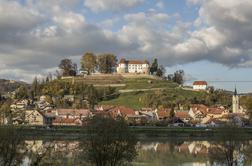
{"x": 133, "y": 66}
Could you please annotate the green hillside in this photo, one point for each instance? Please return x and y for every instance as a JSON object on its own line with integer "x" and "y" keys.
{"x": 147, "y": 91}
{"x": 131, "y": 100}
{"x": 157, "y": 98}
{"x": 120, "y": 82}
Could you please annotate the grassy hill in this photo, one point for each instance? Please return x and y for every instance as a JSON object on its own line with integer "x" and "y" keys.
{"x": 155, "y": 98}
{"x": 123, "y": 83}
{"x": 139, "y": 91}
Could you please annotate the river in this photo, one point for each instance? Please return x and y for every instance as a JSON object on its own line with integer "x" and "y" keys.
{"x": 150, "y": 152}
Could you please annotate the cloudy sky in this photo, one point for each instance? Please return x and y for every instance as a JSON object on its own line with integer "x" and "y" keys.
{"x": 209, "y": 39}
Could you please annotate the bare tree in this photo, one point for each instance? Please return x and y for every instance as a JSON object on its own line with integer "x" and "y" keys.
{"x": 109, "y": 143}
{"x": 229, "y": 143}
{"x": 10, "y": 145}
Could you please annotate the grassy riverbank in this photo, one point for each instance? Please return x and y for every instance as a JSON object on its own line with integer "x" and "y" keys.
{"x": 141, "y": 132}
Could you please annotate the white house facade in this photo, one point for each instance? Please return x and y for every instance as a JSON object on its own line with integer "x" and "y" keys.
{"x": 133, "y": 66}
{"x": 200, "y": 85}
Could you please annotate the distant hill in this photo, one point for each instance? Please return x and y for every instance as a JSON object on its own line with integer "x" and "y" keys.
{"x": 10, "y": 85}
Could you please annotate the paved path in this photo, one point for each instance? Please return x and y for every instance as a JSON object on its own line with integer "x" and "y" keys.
{"x": 138, "y": 90}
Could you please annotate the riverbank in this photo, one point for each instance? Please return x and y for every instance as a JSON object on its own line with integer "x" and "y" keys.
{"x": 74, "y": 132}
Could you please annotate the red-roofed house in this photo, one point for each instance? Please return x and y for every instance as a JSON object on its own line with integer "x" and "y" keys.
{"x": 183, "y": 115}
{"x": 200, "y": 85}
{"x": 73, "y": 113}
{"x": 216, "y": 112}
{"x": 104, "y": 107}
{"x": 67, "y": 122}
{"x": 198, "y": 111}
{"x": 163, "y": 114}
{"x": 122, "y": 111}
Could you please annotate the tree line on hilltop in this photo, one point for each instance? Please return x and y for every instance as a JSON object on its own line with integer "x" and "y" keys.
{"x": 103, "y": 63}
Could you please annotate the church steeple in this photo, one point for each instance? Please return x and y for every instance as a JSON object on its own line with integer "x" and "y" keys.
{"x": 236, "y": 104}
{"x": 235, "y": 92}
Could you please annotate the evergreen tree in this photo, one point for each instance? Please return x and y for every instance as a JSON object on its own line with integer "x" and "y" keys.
{"x": 154, "y": 66}
{"x": 92, "y": 96}
{"x": 34, "y": 88}
{"x": 22, "y": 93}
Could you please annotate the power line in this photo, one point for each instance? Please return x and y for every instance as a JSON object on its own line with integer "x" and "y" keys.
{"x": 229, "y": 81}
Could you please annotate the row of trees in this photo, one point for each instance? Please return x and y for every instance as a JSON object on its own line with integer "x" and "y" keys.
{"x": 83, "y": 93}
{"x": 157, "y": 70}
{"x": 177, "y": 77}
{"x": 104, "y": 63}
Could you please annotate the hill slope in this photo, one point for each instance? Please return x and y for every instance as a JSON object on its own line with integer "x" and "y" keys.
{"x": 137, "y": 91}
{"x": 10, "y": 85}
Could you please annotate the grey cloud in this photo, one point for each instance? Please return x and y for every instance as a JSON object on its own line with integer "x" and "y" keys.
{"x": 111, "y": 5}
{"x": 34, "y": 42}
{"x": 232, "y": 21}
{"x": 15, "y": 18}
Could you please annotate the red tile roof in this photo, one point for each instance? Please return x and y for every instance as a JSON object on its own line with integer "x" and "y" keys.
{"x": 182, "y": 114}
{"x": 162, "y": 114}
{"x": 215, "y": 111}
{"x": 75, "y": 112}
{"x": 124, "y": 111}
{"x": 200, "y": 107}
{"x": 104, "y": 107}
{"x": 200, "y": 83}
{"x": 66, "y": 121}
{"x": 232, "y": 115}
{"x": 123, "y": 60}
{"x": 133, "y": 61}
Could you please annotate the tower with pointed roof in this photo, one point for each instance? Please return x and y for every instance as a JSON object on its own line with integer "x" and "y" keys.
{"x": 235, "y": 102}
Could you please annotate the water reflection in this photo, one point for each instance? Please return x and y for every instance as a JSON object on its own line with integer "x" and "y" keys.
{"x": 162, "y": 153}
{"x": 195, "y": 153}
{"x": 17, "y": 151}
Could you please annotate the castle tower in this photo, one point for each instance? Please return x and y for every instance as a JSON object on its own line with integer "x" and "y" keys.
{"x": 236, "y": 104}
{"x": 122, "y": 66}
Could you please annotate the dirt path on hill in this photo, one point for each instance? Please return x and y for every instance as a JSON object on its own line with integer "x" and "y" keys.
{"x": 137, "y": 90}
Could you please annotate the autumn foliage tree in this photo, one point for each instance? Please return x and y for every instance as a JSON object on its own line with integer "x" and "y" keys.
{"x": 107, "y": 63}
{"x": 88, "y": 62}
{"x": 246, "y": 101}
{"x": 68, "y": 67}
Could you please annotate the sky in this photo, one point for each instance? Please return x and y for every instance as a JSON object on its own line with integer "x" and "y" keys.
{"x": 209, "y": 39}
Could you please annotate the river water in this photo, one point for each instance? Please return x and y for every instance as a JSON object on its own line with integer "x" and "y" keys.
{"x": 171, "y": 152}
